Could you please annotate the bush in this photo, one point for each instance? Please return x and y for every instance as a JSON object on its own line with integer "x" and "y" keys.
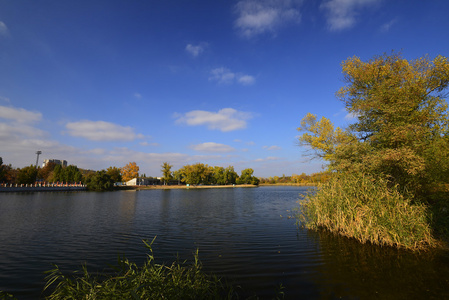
{"x": 368, "y": 209}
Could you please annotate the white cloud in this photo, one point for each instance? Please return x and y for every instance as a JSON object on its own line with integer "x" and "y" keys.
{"x": 246, "y": 80}
{"x": 138, "y": 95}
{"x": 351, "y": 116}
{"x": 342, "y": 14}
{"x": 272, "y": 148}
{"x": 222, "y": 75}
{"x": 196, "y": 50}
{"x": 226, "y": 119}
{"x": 269, "y": 158}
{"x": 212, "y": 147}
{"x": 148, "y": 144}
{"x": 101, "y": 131}
{"x": 19, "y": 114}
{"x": 259, "y": 16}
{"x": 226, "y": 76}
{"x": 3, "y": 29}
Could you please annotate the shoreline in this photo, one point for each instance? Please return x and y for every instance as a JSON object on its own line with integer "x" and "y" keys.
{"x": 172, "y": 187}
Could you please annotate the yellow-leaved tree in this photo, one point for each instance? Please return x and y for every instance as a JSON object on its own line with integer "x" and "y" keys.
{"x": 130, "y": 171}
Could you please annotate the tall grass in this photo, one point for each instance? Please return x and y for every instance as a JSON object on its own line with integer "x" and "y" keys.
{"x": 151, "y": 281}
{"x": 367, "y": 209}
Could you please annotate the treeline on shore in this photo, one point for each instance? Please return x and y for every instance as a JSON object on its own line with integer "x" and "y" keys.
{"x": 195, "y": 174}
{"x": 390, "y": 168}
{"x": 295, "y": 179}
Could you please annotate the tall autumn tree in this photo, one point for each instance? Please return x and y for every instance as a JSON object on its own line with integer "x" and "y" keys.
{"x": 402, "y": 127}
{"x": 167, "y": 175}
{"x": 130, "y": 171}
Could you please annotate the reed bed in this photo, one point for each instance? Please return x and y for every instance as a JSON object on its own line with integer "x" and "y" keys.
{"x": 368, "y": 209}
{"x": 151, "y": 281}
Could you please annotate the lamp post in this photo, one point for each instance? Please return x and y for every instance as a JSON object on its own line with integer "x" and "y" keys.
{"x": 37, "y": 159}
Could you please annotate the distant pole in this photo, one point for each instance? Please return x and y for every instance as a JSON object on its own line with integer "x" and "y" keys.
{"x": 37, "y": 159}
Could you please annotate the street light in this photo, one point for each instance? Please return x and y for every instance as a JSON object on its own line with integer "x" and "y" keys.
{"x": 37, "y": 159}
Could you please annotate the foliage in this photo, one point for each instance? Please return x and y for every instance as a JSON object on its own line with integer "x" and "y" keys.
{"x": 45, "y": 173}
{"x": 230, "y": 175}
{"x": 401, "y": 136}
{"x": 70, "y": 173}
{"x": 301, "y": 179}
{"x": 115, "y": 174}
{"x": 194, "y": 174}
{"x": 321, "y": 136}
{"x": 27, "y": 175}
{"x": 151, "y": 281}
{"x": 366, "y": 208}
{"x": 166, "y": 172}
{"x": 247, "y": 177}
{"x": 100, "y": 181}
{"x": 130, "y": 171}
{"x": 2, "y": 171}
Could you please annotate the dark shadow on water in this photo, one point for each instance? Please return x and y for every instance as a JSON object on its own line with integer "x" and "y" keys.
{"x": 352, "y": 270}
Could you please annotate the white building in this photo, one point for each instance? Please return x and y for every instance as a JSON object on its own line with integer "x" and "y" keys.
{"x": 56, "y": 161}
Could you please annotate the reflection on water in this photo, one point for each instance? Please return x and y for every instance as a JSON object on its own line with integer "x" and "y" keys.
{"x": 372, "y": 272}
{"x": 243, "y": 235}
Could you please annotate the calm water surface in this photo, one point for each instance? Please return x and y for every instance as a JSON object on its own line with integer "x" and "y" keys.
{"x": 244, "y": 235}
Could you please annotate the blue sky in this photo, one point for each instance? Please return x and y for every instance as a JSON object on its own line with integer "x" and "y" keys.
{"x": 104, "y": 83}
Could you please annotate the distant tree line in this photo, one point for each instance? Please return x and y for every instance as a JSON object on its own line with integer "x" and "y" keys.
{"x": 195, "y": 174}
{"x": 302, "y": 179}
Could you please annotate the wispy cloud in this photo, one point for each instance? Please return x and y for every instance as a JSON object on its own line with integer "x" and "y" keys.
{"x": 386, "y": 27}
{"x": 226, "y": 76}
{"x": 4, "y": 99}
{"x": 272, "y": 148}
{"x": 196, "y": 50}
{"x": 101, "y": 131}
{"x": 19, "y": 114}
{"x": 226, "y": 119}
{"x": 137, "y": 95}
{"x": 3, "y": 29}
{"x": 211, "y": 147}
{"x": 246, "y": 80}
{"x": 269, "y": 158}
{"x": 260, "y": 16}
{"x": 342, "y": 14}
{"x": 222, "y": 75}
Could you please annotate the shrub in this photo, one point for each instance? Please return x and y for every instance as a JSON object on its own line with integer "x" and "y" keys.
{"x": 366, "y": 208}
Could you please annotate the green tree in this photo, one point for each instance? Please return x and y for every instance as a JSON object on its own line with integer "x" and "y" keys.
{"x": 2, "y": 171}
{"x": 193, "y": 174}
{"x": 99, "y": 181}
{"x": 230, "y": 175}
{"x": 27, "y": 175}
{"x": 115, "y": 174}
{"x": 219, "y": 175}
{"x": 247, "y": 177}
{"x": 167, "y": 175}
{"x": 71, "y": 173}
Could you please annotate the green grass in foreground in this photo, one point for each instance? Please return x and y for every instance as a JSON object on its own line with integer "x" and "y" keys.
{"x": 367, "y": 209}
{"x": 151, "y": 281}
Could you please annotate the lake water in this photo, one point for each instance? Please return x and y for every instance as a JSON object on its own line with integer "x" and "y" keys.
{"x": 243, "y": 234}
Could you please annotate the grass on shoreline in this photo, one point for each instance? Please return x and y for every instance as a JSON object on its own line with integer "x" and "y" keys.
{"x": 151, "y": 281}
{"x": 367, "y": 209}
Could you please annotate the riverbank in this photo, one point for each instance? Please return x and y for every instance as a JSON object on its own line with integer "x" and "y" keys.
{"x": 290, "y": 184}
{"x": 191, "y": 187}
{"x": 28, "y": 189}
